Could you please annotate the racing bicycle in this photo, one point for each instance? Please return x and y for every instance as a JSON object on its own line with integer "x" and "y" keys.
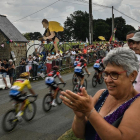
{"x": 77, "y": 83}
{"x": 10, "y": 120}
{"x": 96, "y": 79}
{"x": 48, "y": 98}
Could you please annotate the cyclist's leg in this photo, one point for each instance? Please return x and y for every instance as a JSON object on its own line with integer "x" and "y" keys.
{"x": 99, "y": 74}
{"x": 55, "y": 89}
{"x": 82, "y": 81}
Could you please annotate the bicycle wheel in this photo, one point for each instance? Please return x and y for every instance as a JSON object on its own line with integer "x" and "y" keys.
{"x": 47, "y": 102}
{"x": 9, "y": 121}
{"x": 76, "y": 88}
{"x": 29, "y": 111}
{"x": 85, "y": 84}
{"x": 58, "y": 100}
{"x": 101, "y": 80}
{"x": 94, "y": 81}
{"x": 74, "y": 79}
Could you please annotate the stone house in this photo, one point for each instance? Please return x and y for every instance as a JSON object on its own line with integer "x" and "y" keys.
{"x": 13, "y": 45}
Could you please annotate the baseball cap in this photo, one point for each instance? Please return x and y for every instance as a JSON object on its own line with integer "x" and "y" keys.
{"x": 136, "y": 37}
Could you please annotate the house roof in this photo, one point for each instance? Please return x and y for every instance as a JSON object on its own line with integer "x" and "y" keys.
{"x": 10, "y": 31}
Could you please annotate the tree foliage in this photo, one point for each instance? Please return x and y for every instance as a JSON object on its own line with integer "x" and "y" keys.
{"x": 32, "y": 36}
{"x": 76, "y": 27}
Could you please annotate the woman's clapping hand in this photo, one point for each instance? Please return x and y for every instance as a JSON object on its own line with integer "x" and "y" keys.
{"x": 80, "y": 103}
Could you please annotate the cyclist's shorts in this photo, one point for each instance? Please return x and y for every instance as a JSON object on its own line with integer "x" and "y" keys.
{"x": 53, "y": 85}
{"x": 19, "y": 98}
{"x": 97, "y": 69}
{"x": 80, "y": 74}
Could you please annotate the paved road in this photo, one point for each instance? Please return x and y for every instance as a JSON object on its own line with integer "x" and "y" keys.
{"x": 45, "y": 126}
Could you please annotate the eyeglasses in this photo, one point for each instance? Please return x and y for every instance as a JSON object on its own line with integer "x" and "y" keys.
{"x": 113, "y": 75}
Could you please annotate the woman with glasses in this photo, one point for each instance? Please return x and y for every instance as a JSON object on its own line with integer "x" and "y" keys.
{"x": 112, "y": 113}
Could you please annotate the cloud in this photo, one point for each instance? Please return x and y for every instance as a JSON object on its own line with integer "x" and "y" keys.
{"x": 16, "y": 9}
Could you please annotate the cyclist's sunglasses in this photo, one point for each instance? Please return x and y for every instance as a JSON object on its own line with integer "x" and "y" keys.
{"x": 113, "y": 75}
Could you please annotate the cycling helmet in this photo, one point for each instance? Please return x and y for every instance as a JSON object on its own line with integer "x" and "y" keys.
{"x": 24, "y": 74}
{"x": 77, "y": 59}
{"x": 55, "y": 68}
{"x": 97, "y": 61}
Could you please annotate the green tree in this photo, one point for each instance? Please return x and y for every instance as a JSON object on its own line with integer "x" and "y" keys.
{"x": 76, "y": 26}
{"x": 100, "y": 28}
{"x": 32, "y": 36}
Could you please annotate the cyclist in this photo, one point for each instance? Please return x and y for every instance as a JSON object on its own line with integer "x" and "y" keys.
{"x": 50, "y": 80}
{"x": 98, "y": 66}
{"x": 76, "y": 61}
{"x": 78, "y": 70}
{"x": 17, "y": 93}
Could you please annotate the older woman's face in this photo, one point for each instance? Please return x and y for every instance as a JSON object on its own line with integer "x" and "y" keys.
{"x": 119, "y": 86}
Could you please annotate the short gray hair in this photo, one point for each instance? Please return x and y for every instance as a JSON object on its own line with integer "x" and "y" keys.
{"x": 124, "y": 57}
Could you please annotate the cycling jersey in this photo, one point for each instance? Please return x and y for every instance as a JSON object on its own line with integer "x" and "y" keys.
{"x": 79, "y": 67}
{"x": 98, "y": 65}
{"x": 19, "y": 85}
{"x": 50, "y": 77}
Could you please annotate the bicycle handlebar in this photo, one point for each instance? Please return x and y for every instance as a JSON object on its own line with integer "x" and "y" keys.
{"x": 62, "y": 84}
{"x": 31, "y": 95}
{"x": 87, "y": 74}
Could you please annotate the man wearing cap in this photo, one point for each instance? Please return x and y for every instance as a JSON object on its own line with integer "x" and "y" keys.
{"x": 136, "y": 47}
{"x": 129, "y": 42}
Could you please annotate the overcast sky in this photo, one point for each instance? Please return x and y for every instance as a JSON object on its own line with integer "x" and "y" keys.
{"x": 17, "y": 9}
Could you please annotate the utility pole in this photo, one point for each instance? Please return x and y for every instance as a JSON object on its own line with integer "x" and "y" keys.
{"x": 112, "y": 23}
{"x": 90, "y": 23}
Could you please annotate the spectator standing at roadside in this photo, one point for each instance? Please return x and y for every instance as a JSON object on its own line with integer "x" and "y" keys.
{"x": 136, "y": 47}
{"x": 29, "y": 62}
{"x": 4, "y": 71}
{"x": 73, "y": 53}
{"x": 22, "y": 65}
{"x": 77, "y": 50}
{"x": 67, "y": 56}
{"x": 54, "y": 59}
{"x": 11, "y": 69}
{"x": 49, "y": 62}
{"x": 129, "y": 43}
{"x": 35, "y": 66}
{"x": 85, "y": 52}
{"x": 60, "y": 58}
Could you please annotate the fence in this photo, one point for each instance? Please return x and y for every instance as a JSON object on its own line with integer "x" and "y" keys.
{"x": 39, "y": 69}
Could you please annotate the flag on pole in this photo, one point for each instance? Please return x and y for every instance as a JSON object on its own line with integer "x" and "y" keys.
{"x": 115, "y": 30}
{"x": 113, "y": 39}
{"x": 110, "y": 39}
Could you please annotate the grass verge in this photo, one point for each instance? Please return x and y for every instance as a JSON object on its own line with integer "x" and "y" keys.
{"x": 69, "y": 135}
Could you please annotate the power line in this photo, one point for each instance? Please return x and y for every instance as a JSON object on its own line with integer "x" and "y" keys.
{"x": 37, "y": 11}
{"x": 108, "y": 7}
{"x": 41, "y": 19}
{"x": 81, "y": 4}
{"x": 93, "y": 3}
{"x": 127, "y": 15}
{"x": 73, "y": 2}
